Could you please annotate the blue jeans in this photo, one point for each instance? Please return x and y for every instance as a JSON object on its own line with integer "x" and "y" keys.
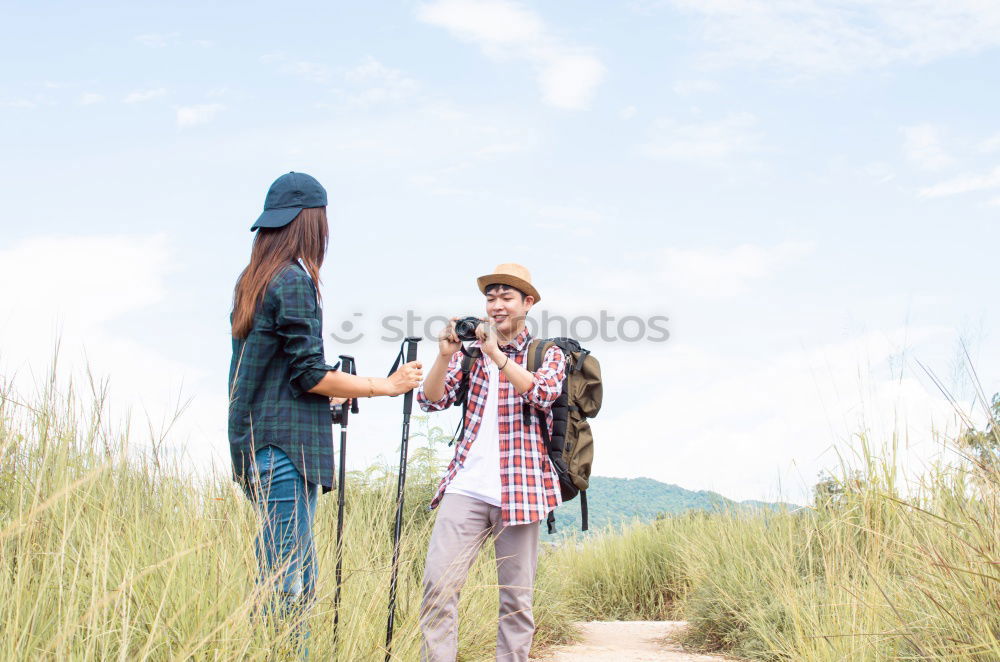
{"x": 286, "y": 554}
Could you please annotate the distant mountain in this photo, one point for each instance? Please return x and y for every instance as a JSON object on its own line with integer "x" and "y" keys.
{"x": 613, "y": 501}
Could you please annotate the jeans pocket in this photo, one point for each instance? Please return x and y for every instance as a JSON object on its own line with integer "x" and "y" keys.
{"x": 259, "y": 477}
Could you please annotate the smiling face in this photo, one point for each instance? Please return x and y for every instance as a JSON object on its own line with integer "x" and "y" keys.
{"x": 506, "y": 308}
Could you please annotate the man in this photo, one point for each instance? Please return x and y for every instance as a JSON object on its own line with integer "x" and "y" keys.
{"x": 500, "y": 483}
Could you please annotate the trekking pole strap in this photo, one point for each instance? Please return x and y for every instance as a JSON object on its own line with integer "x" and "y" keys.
{"x": 398, "y": 361}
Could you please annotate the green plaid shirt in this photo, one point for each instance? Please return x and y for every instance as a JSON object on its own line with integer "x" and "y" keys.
{"x": 271, "y": 373}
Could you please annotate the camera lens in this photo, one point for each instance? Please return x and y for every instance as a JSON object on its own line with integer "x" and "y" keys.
{"x": 465, "y": 328}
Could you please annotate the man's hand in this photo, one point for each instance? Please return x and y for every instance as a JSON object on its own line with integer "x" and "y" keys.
{"x": 448, "y": 342}
{"x": 489, "y": 340}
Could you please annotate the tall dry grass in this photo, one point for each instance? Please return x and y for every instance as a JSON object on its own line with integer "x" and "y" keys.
{"x": 112, "y": 554}
{"x": 869, "y": 572}
{"x": 109, "y": 554}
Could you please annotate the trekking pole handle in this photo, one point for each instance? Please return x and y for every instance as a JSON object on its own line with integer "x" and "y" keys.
{"x": 348, "y": 366}
{"x": 411, "y": 355}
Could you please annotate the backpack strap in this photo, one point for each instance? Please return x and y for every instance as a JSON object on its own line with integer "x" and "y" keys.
{"x": 537, "y": 348}
{"x": 539, "y": 354}
{"x": 560, "y": 463}
{"x": 555, "y": 455}
{"x": 536, "y": 352}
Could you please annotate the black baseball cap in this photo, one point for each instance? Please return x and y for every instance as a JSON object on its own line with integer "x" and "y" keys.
{"x": 288, "y": 195}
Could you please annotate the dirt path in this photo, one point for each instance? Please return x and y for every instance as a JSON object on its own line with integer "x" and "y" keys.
{"x": 627, "y": 641}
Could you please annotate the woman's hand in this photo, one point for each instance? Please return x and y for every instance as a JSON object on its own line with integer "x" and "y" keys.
{"x": 407, "y": 378}
{"x": 448, "y": 342}
{"x": 339, "y": 386}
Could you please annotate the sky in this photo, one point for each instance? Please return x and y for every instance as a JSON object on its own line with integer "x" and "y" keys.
{"x": 807, "y": 191}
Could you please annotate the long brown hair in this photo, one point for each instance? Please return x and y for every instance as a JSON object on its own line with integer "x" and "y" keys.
{"x": 304, "y": 238}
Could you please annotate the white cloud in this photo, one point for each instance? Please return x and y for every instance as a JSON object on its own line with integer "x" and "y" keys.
{"x": 966, "y": 183}
{"x": 139, "y": 96}
{"x": 991, "y": 144}
{"x": 491, "y": 23}
{"x": 740, "y": 424}
{"x": 729, "y": 272}
{"x": 567, "y": 75}
{"x": 706, "y": 143}
{"x": 732, "y": 409}
{"x": 513, "y": 146}
{"x": 878, "y": 171}
{"x": 372, "y": 70}
{"x": 570, "y": 219}
{"x": 156, "y": 40}
{"x": 627, "y": 113}
{"x": 378, "y": 83}
{"x": 87, "y": 289}
{"x": 76, "y": 289}
{"x": 697, "y": 273}
{"x": 90, "y": 98}
{"x": 836, "y": 36}
{"x": 686, "y": 88}
{"x": 922, "y": 146}
{"x": 311, "y": 71}
{"x": 21, "y": 103}
{"x": 188, "y": 116}
{"x": 569, "y": 80}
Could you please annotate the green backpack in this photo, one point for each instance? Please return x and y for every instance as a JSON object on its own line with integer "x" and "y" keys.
{"x": 570, "y": 443}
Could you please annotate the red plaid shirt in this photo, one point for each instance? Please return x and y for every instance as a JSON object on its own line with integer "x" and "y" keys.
{"x": 529, "y": 488}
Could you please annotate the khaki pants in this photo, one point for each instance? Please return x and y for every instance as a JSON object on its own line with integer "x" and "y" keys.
{"x": 463, "y": 524}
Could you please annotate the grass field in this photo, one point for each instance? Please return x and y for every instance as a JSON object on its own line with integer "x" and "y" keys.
{"x": 864, "y": 574}
{"x": 106, "y": 555}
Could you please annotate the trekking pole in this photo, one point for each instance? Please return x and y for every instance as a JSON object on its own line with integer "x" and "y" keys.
{"x": 410, "y": 344}
{"x": 338, "y": 414}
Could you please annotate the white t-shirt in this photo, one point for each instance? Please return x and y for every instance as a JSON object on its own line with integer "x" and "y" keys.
{"x": 479, "y": 476}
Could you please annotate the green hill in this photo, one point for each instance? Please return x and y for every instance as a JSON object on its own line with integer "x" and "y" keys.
{"x": 613, "y": 501}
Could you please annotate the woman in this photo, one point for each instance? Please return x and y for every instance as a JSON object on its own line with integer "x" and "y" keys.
{"x": 280, "y": 384}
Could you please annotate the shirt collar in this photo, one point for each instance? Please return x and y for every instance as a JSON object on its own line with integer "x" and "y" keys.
{"x": 519, "y": 342}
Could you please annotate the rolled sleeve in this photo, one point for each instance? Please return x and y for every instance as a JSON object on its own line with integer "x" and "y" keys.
{"x": 548, "y": 380}
{"x": 452, "y": 380}
{"x": 298, "y": 323}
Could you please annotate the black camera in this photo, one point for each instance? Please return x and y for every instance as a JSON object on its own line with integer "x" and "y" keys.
{"x": 465, "y": 328}
{"x": 338, "y": 413}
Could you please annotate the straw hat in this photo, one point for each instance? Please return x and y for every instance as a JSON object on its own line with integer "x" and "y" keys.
{"x": 510, "y": 274}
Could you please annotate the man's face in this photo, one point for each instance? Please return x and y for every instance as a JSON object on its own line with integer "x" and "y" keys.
{"x": 507, "y": 308}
